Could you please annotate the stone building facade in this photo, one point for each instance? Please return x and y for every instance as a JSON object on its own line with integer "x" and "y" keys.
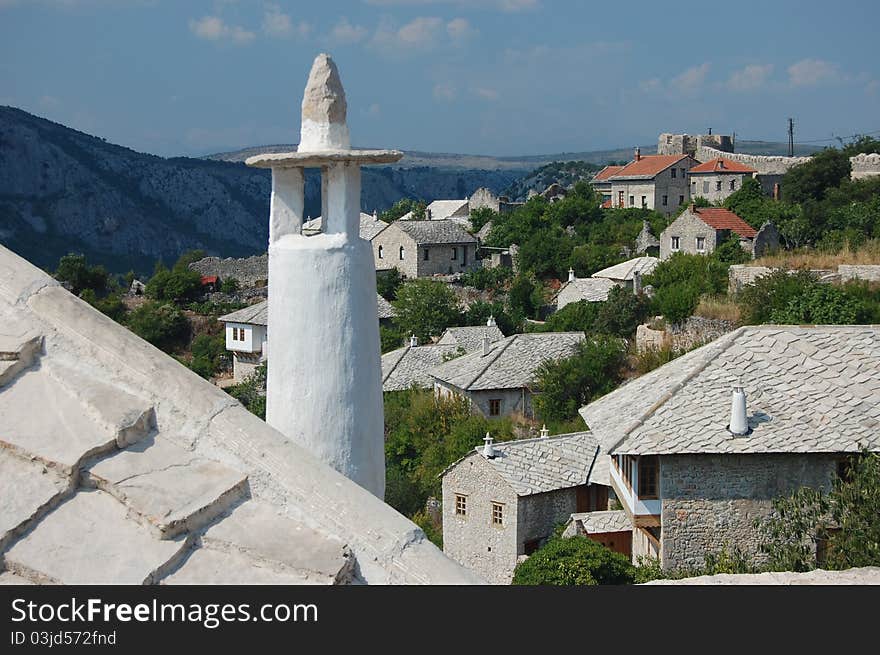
{"x": 715, "y": 180}
{"x": 657, "y": 182}
{"x": 712, "y": 501}
{"x": 425, "y": 248}
{"x": 699, "y": 230}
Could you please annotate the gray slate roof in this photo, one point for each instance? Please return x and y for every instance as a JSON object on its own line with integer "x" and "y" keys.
{"x": 511, "y": 362}
{"x": 533, "y": 466}
{"x": 808, "y": 389}
{"x": 408, "y": 366}
{"x": 258, "y": 314}
{"x": 370, "y": 226}
{"x": 599, "y": 522}
{"x": 435, "y": 232}
{"x": 441, "y": 209}
{"x": 591, "y": 289}
{"x": 625, "y": 270}
{"x": 470, "y": 337}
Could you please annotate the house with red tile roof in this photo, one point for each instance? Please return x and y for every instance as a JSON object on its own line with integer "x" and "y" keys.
{"x": 652, "y": 182}
{"x": 699, "y": 230}
{"x": 718, "y": 178}
{"x": 602, "y": 183}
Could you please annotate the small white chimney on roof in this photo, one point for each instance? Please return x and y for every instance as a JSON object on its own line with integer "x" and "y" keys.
{"x": 571, "y": 275}
{"x": 413, "y": 341}
{"x": 488, "y": 449}
{"x": 638, "y": 154}
{"x": 545, "y": 432}
{"x": 491, "y": 321}
{"x": 739, "y": 423}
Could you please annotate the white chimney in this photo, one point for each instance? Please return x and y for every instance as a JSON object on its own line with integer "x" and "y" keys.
{"x": 638, "y": 154}
{"x": 376, "y": 214}
{"x": 545, "y": 432}
{"x": 488, "y": 450}
{"x": 739, "y": 423}
{"x": 413, "y": 341}
{"x": 486, "y": 344}
{"x": 571, "y": 275}
{"x": 720, "y": 164}
{"x": 491, "y": 321}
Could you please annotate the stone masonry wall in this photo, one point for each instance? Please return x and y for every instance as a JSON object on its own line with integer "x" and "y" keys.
{"x": 761, "y": 163}
{"x": 712, "y": 501}
{"x": 865, "y": 165}
{"x": 391, "y": 240}
{"x": 687, "y": 228}
{"x": 249, "y": 271}
{"x": 741, "y": 275}
{"x": 472, "y": 540}
{"x": 694, "y": 332}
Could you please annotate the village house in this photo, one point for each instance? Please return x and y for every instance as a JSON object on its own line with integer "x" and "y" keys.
{"x": 657, "y": 182}
{"x": 602, "y": 184}
{"x": 410, "y": 366}
{"x": 498, "y": 378}
{"x": 628, "y": 273}
{"x": 503, "y": 500}
{"x": 699, "y": 230}
{"x": 425, "y": 248}
{"x": 247, "y": 335}
{"x": 716, "y": 179}
{"x": 701, "y": 446}
{"x": 595, "y": 288}
{"x": 369, "y": 226}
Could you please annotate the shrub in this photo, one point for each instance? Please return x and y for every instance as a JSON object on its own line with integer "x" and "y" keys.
{"x": 388, "y": 282}
{"x": 208, "y": 354}
{"x": 178, "y": 285}
{"x": 487, "y": 278}
{"x": 164, "y": 326}
{"x": 251, "y": 392}
{"x": 229, "y": 285}
{"x": 425, "y": 308}
{"x": 822, "y": 304}
{"x": 574, "y": 561}
{"x": 621, "y": 313}
{"x": 75, "y": 270}
{"x": 676, "y": 301}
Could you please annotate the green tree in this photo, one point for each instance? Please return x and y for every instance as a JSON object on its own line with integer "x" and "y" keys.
{"x": 425, "y": 308}
{"x": 525, "y": 298}
{"x": 189, "y": 257}
{"x": 111, "y": 305}
{"x": 404, "y": 206}
{"x": 164, "y": 326}
{"x": 821, "y": 304}
{"x": 565, "y": 385}
{"x": 730, "y": 252}
{"x": 388, "y": 282}
{"x": 75, "y": 270}
{"x": 574, "y": 561}
{"x": 811, "y": 180}
{"x": 251, "y": 392}
{"x": 230, "y": 285}
{"x": 208, "y": 354}
{"x": 480, "y": 216}
{"x": 178, "y": 285}
{"x": 621, "y": 313}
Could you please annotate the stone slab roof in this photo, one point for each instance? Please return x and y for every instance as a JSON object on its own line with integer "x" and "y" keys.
{"x": 470, "y": 337}
{"x": 442, "y": 209}
{"x": 511, "y": 362}
{"x": 533, "y": 466}
{"x": 408, "y": 366}
{"x": 120, "y": 465}
{"x": 809, "y": 389}
{"x": 258, "y": 313}
{"x": 601, "y": 522}
{"x": 625, "y": 270}
{"x": 435, "y": 232}
{"x": 370, "y": 226}
{"x": 591, "y": 289}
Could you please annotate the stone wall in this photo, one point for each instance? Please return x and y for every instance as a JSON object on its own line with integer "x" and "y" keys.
{"x": 539, "y": 514}
{"x": 694, "y": 332}
{"x": 679, "y": 144}
{"x": 483, "y": 197}
{"x": 249, "y": 271}
{"x": 869, "y": 272}
{"x": 687, "y": 227}
{"x": 774, "y": 164}
{"x": 741, "y": 275}
{"x": 712, "y": 501}
{"x": 865, "y": 165}
{"x": 472, "y": 540}
{"x": 706, "y": 185}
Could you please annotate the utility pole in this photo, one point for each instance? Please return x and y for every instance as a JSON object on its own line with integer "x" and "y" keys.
{"x": 791, "y": 137}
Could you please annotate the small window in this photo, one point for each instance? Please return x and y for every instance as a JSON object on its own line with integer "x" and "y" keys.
{"x": 649, "y": 469}
{"x": 701, "y": 244}
{"x": 460, "y": 505}
{"x": 401, "y": 253}
{"x": 673, "y": 173}
{"x": 675, "y": 243}
{"x": 681, "y": 200}
{"x": 718, "y": 185}
{"x": 644, "y": 202}
{"x": 665, "y": 200}
{"x": 705, "y": 187}
{"x": 495, "y": 407}
{"x": 632, "y": 201}
{"x": 381, "y": 252}
{"x": 497, "y": 514}
{"x": 732, "y": 185}
{"x": 425, "y": 255}
{"x": 454, "y": 254}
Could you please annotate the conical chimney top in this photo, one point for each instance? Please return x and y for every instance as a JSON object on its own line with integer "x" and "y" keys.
{"x": 324, "y": 109}
{"x": 488, "y": 449}
{"x": 739, "y": 422}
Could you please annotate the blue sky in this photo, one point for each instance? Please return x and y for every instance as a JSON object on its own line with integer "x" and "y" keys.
{"x": 502, "y": 77}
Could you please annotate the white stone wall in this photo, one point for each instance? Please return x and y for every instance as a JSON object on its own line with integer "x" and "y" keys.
{"x": 440, "y": 261}
{"x": 705, "y": 185}
{"x": 472, "y": 540}
{"x": 687, "y": 228}
{"x": 675, "y": 189}
{"x": 761, "y": 163}
{"x": 539, "y": 514}
{"x": 865, "y": 165}
{"x": 388, "y": 243}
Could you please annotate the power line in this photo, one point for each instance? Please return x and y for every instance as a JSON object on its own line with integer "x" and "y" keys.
{"x": 833, "y": 138}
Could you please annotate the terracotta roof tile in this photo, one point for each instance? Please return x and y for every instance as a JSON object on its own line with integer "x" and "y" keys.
{"x": 607, "y": 172}
{"x": 724, "y": 219}
{"x": 722, "y": 165}
{"x": 649, "y": 165}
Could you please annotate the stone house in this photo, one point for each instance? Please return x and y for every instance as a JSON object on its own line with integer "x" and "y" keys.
{"x": 699, "y": 230}
{"x": 497, "y": 379}
{"x": 425, "y": 248}
{"x": 591, "y": 289}
{"x": 503, "y": 500}
{"x": 410, "y": 365}
{"x": 653, "y": 182}
{"x": 602, "y": 183}
{"x": 716, "y": 179}
{"x": 369, "y": 226}
{"x": 626, "y": 273}
{"x": 701, "y": 446}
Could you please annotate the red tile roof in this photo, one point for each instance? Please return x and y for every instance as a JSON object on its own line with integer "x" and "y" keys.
{"x": 722, "y": 165}
{"x": 209, "y": 279}
{"x": 724, "y": 219}
{"x": 607, "y": 172}
{"x": 649, "y": 165}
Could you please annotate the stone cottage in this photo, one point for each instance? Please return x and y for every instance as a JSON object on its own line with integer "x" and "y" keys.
{"x": 498, "y": 378}
{"x": 625, "y": 273}
{"x": 699, "y": 230}
{"x": 425, "y": 248}
{"x": 701, "y": 446}
{"x": 716, "y": 179}
{"x": 653, "y": 182}
{"x": 601, "y": 182}
{"x": 591, "y": 289}
{"x": 503, "y": 500}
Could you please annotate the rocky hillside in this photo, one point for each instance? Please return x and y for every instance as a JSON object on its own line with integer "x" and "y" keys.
{"x": 62, "y": 190}
{"x": 565, "y": 173}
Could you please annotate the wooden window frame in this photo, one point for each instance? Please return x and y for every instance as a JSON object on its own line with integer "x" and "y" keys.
{"x": 497, "y": 514}
{"x": 495, "y": 407}
{"x": 460, "y": 504}
{"x": 675, "y": 244}
{"x": 649, "y": 463}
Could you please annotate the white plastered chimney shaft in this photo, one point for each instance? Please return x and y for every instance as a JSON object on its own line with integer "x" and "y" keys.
{"x": 324, "y": 387}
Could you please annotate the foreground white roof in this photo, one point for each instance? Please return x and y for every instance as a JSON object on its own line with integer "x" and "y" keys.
{"x": 119, "y": 465}
{"x": 809, "y": 389}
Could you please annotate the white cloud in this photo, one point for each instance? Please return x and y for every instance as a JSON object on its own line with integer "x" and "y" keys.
{"x": 486, "y": 93}
{"x": 445, "y": 91}
{"x": 750, "y": 78}
{"x": 421, "y": 33}
{"x": 279, "y": 25}
{"x": 212, "y": 28}
{"x": 344, "y": 32}
{"x": 501, "y": 5}
{"x": 459, "y": 29}
{"x": 810, "y": 72}
{"x": 691, "y": 79}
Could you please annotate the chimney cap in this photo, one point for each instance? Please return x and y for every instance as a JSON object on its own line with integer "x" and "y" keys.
{"x": 739, "y": 422}
{"x": 488, "y": 449}
{"x": 545, "y": 432}
{"x": 490, "y": 322}
{"x": 413, "y": 340}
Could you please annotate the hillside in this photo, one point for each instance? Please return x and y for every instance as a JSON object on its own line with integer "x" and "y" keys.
{"x": 62, "y": 190}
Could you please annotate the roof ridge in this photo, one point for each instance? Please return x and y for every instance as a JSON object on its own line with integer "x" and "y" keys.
{"x": 498, "y": 354}
{"x": 512, "y": 442}
{"x": 406, "y": 349}
{"x": 678, "y": 386}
